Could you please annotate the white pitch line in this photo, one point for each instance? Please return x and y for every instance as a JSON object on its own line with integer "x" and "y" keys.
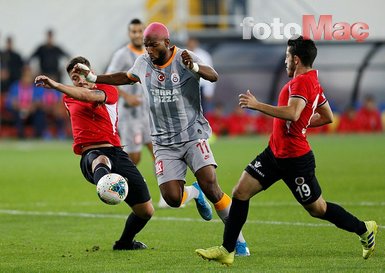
{"x": 252, "y": 204}
{"x": 176, "y": 219}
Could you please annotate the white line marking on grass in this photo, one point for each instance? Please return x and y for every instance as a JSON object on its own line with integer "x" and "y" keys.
{"x": 252, "y": 204}
{"x": 286, "y": 204}
{"x": 176, "y": 219}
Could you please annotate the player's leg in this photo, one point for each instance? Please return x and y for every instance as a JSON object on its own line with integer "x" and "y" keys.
{"x": 176, "y": 194}
{"x": 170, "y": 170}
{"x": 247, "y": 187}
{"x": 336, "y": 215}
{"x": 304, "y": 185}
{"x": 172, "y": 192}
{"x": 138, "y": 198}
{"x": 300, "y": 178}
{"x": 100, "y": 167}
{"x": 162, "y": 204}
{"x": 94, "y": 165}
{"x": 344, "y": 220}
{"x": 260, "y": 173}
{"x": 202, "y": 163}
{"x": 207, "y": 181}
{"x": 135, "y": 222}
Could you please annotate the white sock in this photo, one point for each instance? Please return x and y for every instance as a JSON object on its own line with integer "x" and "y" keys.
{"x": 191, "y": 193}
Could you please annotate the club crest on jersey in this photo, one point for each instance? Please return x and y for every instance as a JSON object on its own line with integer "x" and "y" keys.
{"x": 161, "y": 77}
{"x": 175, "y": 78}
{"x": 299, "y": 181}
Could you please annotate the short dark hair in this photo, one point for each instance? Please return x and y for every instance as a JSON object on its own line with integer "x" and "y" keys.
{"x": 135, "y": 21}
{"x": 75, "y": 61}
{"x": 305, "y": 49}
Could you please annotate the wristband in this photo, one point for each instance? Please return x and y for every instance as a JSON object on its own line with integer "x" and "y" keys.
{"x": 195, "y": 67}
{"x": 91, "y": 77}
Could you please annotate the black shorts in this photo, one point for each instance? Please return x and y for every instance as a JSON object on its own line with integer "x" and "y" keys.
{"x": 298, "y": 173}
{"x": 121, "y": 164}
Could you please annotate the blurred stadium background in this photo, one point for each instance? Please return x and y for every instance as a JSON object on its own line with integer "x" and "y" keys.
{"x": 51, "y": 219}
{"x": 349, "y": 70}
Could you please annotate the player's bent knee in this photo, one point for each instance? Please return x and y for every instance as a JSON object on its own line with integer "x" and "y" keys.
{"x": 317, "y": 212}
{"x": 173, "y": 201}
{"x": 241, "y": 194}
{"x": 144, "y": 211}
{"x": 101, "y": 159}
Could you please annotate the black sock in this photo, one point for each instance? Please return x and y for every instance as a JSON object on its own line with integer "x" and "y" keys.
{"x": 343, "y": 219}
{"x": 233, "y": 226}
{"x": 100, "y": 171}
{"x": 134, "y": 224}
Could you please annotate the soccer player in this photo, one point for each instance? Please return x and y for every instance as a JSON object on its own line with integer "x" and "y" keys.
{"x": 301, "y": 104}
{"x": 93, "y": 112}
{"x": 133, "y": 124}
{"x": 170, "y": 79}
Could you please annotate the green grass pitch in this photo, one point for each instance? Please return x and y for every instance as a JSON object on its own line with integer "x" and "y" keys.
{"x": 51, "y": 219}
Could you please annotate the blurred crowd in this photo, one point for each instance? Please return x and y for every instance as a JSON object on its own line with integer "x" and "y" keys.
{"x": 365, "y": 118}
{"x": 30, "y": 112}
{"x": 26, "y": 110}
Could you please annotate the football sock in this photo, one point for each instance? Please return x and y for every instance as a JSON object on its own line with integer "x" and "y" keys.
{"x": 100, "y": 171}
{"x": 222, "y": 208}
{"x": 134, "y": 224}
{"x": 236, "y": 219}
{"x": 343, "y": 219}
{"x": 189, "y": 193}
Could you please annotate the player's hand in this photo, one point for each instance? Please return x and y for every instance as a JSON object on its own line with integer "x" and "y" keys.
{"x": 248, "y": 100}
{"x": 187, "y": 59}
{"x": 81, "y": 69}
{"x": 44, "y": 81}
{"x": 84, "y": 70}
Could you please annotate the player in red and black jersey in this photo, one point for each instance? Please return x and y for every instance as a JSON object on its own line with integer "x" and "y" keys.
{"x": 301, "y": 104}
{"x": 93, "y": 112}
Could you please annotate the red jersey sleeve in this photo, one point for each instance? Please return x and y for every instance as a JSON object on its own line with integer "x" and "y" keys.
{"x": 322, "y": 98}
{"x": 111, "y": 92}
{"x": 298, "y": 89}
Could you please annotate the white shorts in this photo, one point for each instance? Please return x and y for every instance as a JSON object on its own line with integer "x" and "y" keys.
{"x": 171, "y": 161}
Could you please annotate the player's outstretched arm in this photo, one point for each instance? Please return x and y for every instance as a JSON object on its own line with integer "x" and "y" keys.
{"x": 205, "y": 71}
{"x": 119, "y": 78}
{"x": 78, "y": 93}
{"x": 290, "y": 112}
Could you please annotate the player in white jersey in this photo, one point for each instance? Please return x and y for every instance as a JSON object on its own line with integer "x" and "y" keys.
{"x": 170, "y": 78}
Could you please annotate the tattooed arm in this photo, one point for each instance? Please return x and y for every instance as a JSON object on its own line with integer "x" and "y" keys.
{"x": 76, "y": 92}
